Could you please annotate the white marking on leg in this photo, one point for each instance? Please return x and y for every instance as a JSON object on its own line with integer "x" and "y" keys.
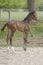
{"x": 9, "y": 49}
{"x": 12, "y": 48}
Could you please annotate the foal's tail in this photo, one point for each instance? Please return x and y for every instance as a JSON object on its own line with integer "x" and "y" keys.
{"x": 4, "y": 26}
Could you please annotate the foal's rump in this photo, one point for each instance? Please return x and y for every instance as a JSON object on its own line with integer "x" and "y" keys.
{"x": 9, "y": 24}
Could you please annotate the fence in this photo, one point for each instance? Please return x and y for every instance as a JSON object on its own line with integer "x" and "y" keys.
{"x": 8, "y": 11}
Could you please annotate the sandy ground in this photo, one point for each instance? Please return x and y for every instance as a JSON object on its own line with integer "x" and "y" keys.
{"x": 33, "y": 56}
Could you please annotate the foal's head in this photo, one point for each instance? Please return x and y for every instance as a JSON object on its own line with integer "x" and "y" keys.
{"x": 32, "y": 16}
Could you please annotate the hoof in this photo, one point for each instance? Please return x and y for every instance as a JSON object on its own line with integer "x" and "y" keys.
{"x": 24, "y": 49}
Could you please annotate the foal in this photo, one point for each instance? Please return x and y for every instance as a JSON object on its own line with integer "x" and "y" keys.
{"x": 22, "y": 26}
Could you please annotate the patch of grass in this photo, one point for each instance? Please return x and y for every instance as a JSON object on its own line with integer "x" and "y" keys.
{"x": 3, "y": 45}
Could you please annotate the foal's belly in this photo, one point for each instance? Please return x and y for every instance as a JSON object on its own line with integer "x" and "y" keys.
{"x": 20, "y": 29}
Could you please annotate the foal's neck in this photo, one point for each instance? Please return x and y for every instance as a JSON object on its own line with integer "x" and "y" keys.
{"x": 27, "y": 20}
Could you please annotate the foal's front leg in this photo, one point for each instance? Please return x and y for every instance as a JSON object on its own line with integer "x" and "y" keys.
{"x": 25, "y": 40}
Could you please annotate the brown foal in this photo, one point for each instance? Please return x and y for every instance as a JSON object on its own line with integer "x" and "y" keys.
{"x": 22, "y": 26}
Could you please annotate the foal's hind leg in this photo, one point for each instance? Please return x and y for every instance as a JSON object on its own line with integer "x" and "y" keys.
{"x": 11, "y": 42}
{"x": 9, "y": 37}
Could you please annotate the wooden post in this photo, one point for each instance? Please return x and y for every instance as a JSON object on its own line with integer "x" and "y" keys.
{"x": 7, "y": 10}
{"x": 9, "y": 14}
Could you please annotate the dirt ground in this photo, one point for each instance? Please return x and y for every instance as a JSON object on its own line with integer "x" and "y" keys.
{"x": 32, "y": 56}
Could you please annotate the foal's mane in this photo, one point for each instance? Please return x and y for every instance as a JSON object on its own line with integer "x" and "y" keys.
{"x": 27, "y": 17}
